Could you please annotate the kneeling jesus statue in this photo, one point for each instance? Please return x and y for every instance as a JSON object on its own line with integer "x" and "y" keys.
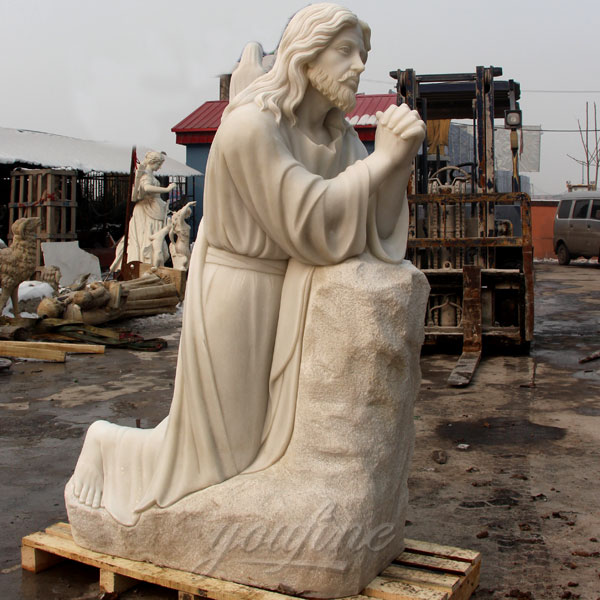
{"x": 289, "y": 187}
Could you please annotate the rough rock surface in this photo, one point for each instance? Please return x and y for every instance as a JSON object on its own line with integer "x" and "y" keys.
{"x": 329, "y": 516}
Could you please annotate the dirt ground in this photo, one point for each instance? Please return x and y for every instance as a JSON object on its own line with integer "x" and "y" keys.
{"x": 524, "y": 493}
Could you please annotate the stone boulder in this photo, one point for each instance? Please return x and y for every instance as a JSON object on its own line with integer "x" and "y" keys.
{"x": 329, "y": 516}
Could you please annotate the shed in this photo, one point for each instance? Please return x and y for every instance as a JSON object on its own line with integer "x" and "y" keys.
{"x": 100, "y": 173}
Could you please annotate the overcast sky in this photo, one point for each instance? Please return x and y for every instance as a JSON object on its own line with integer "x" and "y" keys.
{"x": 127, "y": 71}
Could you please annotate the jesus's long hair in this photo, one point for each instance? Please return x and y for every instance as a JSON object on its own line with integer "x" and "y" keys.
{"x": 308, "y": 33}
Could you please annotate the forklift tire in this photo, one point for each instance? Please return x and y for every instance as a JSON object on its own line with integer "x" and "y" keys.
{"x": 564, "y": 257}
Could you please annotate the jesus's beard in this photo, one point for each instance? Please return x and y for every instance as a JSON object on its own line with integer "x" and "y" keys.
{"x": 340, "y": 95}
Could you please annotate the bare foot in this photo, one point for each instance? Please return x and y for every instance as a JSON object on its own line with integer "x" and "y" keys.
{"x": 88, "y": 479}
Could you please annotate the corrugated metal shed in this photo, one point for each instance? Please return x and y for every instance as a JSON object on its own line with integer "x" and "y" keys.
{"x": 200, "y": 126}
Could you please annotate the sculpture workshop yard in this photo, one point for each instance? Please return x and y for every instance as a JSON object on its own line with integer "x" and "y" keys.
{"x": 523, "y": 492}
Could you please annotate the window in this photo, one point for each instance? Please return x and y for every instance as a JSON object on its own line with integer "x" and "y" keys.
{"x": 564, "y": 209}
{"x": 581, "y": 208}
{"x": 595, "y": 210}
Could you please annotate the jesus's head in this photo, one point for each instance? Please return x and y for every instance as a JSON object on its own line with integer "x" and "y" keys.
{"x": 310, "y": 53}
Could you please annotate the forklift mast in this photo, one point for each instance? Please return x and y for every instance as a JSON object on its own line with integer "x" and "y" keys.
{"x": 473, "y": 243}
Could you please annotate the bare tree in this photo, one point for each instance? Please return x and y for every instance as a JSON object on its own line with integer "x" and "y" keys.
{"x": 591, "y": 150}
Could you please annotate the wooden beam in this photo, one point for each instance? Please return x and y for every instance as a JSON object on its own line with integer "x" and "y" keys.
{"x": 36, "y": 560}
{"x": 32, "y": 352}
{"x": 70, "y": 348}
{"x": 113, "y": 583}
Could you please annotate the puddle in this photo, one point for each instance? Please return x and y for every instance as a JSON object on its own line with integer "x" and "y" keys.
{"x": 499, "y": 431}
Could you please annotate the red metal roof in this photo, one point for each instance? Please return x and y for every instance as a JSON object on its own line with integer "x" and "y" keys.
{"x": 369, "y": 104}
{"x": 205, "y": 117}
{"x": 200, "y": 126}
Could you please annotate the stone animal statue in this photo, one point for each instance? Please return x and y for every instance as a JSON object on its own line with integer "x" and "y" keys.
{"x": 180, "y": 238}
{"x": 17, "y": 262}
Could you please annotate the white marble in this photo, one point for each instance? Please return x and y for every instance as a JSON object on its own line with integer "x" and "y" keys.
{"x": 179, "y": 235}
{"x": 329, "y": 516}
{"x": 149, "y": 215}
{"x": 72, "y": 261}
{"x": 249, "y": 68}
{"x": 238, "y": 392}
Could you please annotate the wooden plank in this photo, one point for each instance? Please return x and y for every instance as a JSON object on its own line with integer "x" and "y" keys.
{"x": 433, "y": 579}
{"x": 66, "y": 347}
{"x": 444, "y": 551}
{"x": 191, "y": 583}
{"x": 434, "y": 562}
{"x": 63, "y": 210}
{"x": 392, "y": 589}
{"x": 61, "y": 530}
{"x": 32, "y": 352}
{"x": 73, "y": 210}
{"x": 468, "y": 584}
{"x": 464, "y": 369}
{"x": 436, "y": 572}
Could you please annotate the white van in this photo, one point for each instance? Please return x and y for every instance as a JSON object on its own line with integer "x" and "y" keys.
{"x": 577, "y": 226}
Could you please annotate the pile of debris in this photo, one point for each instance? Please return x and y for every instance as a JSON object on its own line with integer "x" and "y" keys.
{"x": 156, "y": 291}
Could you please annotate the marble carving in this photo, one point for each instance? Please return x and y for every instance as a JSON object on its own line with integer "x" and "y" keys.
{"x": 179, "y": 235}
{"x": 298, "y": 363}
{"x": 149, "y": 215}
{"x": 17, "y": 262}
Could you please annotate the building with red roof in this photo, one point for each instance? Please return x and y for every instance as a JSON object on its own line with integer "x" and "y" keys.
{"x": 197, "y": 131}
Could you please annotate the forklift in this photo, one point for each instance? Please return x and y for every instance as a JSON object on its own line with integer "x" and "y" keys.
{"x": 473, "y": 243}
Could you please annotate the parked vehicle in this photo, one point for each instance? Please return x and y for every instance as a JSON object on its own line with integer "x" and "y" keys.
{"x": 577, "y": 226}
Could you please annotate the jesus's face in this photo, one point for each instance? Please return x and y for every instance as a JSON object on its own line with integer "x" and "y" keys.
{"x": 335, "y": 73}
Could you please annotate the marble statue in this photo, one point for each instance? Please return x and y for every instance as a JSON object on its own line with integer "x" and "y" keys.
{"x": 17, "y": 262}
{"x": 299, "y": 356}
{"x": 160, "y": 253}
{"x": 149, "y": 213}
{"x": 248, "y": 69}
{"x": 179, "y": 235}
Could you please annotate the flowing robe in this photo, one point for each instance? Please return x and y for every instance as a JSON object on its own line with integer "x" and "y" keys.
{"x": 276, "y": 205}
{"x": 149, "y": 216}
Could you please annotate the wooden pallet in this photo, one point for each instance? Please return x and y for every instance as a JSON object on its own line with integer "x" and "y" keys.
{"x": 423, "y": 571}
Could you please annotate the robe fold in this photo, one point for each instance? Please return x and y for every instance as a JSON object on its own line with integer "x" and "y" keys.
{"x": 149, "y": 216}
{"x": 276, "y": 206}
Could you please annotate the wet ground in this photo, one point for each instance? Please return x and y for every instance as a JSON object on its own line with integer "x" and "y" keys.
{"x": 523, "y": 490}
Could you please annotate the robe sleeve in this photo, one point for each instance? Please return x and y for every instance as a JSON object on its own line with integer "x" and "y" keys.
{"x": 391, "y": 249}
{"x": 314, "y": 220}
